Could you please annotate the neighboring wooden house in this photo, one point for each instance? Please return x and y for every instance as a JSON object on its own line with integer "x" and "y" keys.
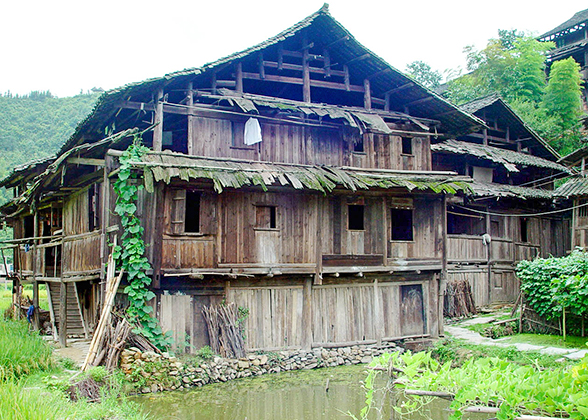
{"x": 571, "y": 40}
{"x": 574, "y": 193}
{"x": 513, "y": 171}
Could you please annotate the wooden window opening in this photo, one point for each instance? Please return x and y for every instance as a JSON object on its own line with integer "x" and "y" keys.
{"x": 192, "y": 216}
{"x": 355, "y": 217}
{"x": 94, "y": 207}
{"x": 401, "y": 224}
{"x": 266, "y": 217}
{"x": 358, "y": 146}
{"x": 406, "y": 146}
{"x": 524, "y": 229}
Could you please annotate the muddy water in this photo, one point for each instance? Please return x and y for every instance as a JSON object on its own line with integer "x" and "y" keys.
{"x": 297, "y": 395}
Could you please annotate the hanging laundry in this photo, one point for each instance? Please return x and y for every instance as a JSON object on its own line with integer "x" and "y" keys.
{"x": 252, "y": 132}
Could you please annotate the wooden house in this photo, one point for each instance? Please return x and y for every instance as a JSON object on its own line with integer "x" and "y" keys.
{"x": 493, "y": 228}
{"x": 294, "y": 178}
{"x": 571, "y": 40}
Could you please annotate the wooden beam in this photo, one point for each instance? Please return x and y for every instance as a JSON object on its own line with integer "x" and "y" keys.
{"x": 420, "y": 101}
{"x": 85, "y": 161}
{"x": 297, "y": 67}
{"x": 191, "y": 119}
{"x": 63, "y": 314}
{"x": 261, "y": 66}
{"x": 337, "y": 41}
{"x": 359, "y": 58}
{"x": 379, "y": 73}
{"x": 327, "y": 63}
{"x": 158, "y": 130}
{"x": 347, "y": 82}
{"x": 299, "y": 81}
{"x": 305, "y": 78}
{"x": 399, "y": 88}
{"x": 367, "y": 95}
{"x": 239, "y": 78}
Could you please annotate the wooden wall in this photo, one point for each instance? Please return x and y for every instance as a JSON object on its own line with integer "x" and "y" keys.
{"x": 306, "y": 145}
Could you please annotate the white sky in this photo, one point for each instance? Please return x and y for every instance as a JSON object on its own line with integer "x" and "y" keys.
{"x": 70, "y": 45}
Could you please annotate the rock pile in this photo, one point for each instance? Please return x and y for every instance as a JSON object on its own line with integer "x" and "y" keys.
{"x": 151, "y": 372}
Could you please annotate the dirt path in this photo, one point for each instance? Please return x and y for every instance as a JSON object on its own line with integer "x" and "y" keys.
{"x": 76, "y": 350}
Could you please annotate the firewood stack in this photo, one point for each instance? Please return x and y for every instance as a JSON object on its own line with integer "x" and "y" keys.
{"x": 224, "y": 331}
{"x": 459, "y": 301}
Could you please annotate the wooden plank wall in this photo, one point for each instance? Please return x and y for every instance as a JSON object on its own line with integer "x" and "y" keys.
{"x": 344, "y": 312}
{"x": 292, "y": 242}
{"x": 306, "y": 145}
{"x": 428, "y": 238}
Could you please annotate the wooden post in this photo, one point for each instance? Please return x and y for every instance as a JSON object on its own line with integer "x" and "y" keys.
{"x": 35, "y": 320}
{"x": 305, "y": 76}
{"x": 318, "y": 279}
{"x": 307, "y": 314}
{"x": 387, "y": 104}
{"x": 367, "y": 94}
{"x": 63, "y": 314}
{"x": 378, "y": 312}
{"x": 190, "y": 119}
{"x": 443, "y": 277}
{"x": 157, "y": 235}
{"x": 385, "y": 230}
{"x": 239, "y": 77}
{"x": 158, "y": 131}
{"x": 489, "y": 258}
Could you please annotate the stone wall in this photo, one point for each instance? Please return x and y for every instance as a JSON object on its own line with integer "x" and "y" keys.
{"x": 151, "y": 372}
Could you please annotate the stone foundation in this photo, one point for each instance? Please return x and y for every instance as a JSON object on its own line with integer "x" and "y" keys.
{"x": 151, "y": 372}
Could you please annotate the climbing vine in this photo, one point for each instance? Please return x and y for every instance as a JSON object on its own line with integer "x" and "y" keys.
{"x": 130, "y": 254}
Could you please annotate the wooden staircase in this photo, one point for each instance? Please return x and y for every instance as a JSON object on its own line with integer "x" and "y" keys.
{"x": 76, "y": 325}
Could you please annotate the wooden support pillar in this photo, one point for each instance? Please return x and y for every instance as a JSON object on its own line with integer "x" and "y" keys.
{"x": 261, "y": 67}
{"x": 327, "y": 62}
{"x": 305, "y": 76}
{"x": 377, "y": 313}
{"x": 387, "y": 102}
{"x": 443, "y": 276}
{"x": 239, "y": 78}
{"x": 191, "y": 117}
{"x": 36, "y": 266}
{"x": 63, "y": 314}
{"x": 307, "y": 314}
{"x": 367, "y": 94}
{"x": 318, "y": 275}
{"x": 489, "y": 255}
{"x": 213, "y": 85}
{"x": 157, "y": 236}
{"x": 158, "y": 120}
{"x": 385, "y": 230}
{"x": 347, "y": 81}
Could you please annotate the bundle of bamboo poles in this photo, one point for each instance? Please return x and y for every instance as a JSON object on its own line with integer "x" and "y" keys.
{"x": 459, "y": 300}
{"x": 224, "y": 331}
{"x": 112, "y": 283}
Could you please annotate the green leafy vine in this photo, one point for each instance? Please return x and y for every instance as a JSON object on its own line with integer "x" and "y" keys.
{"x": 130, "y": 254}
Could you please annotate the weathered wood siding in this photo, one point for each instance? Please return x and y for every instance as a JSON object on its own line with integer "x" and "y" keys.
{"x": 292, "y": 241}
{"x": 81, "y": 248}
{"x": 341, "y": 312}
{"x": 306, "y": 145}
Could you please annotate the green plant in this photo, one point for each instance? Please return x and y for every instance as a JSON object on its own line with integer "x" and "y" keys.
{"x": 98, "y": 373}
{"x": 488, "y": 381}
{"x": 205, "y": 353}
{"x": 130, "y": 254}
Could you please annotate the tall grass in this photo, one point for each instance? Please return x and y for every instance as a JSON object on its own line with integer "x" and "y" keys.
{"x": 22, "y": 352}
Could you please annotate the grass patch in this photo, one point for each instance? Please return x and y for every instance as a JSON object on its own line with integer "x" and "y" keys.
{"x": 22, "y": 352}
{"x": 457, "y": 352}
{"x": 6, "y": 295}
{"x": 549, "y": 340}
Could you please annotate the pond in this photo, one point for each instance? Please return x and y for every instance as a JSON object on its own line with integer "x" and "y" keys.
{"x": 298, "y": 395}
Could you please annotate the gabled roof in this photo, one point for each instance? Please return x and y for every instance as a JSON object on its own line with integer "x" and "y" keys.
{"x": 575, "y": 157}
{"x": 509, "y": 159}
{"x": 362, "y": 62}
{"x": 518, "y": 127}
{"x": 578, "y": 18}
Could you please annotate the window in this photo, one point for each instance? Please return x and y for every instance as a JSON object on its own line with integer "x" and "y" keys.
{"x": 29, "y": 226}
{"x": 464, "y": 224}
{"x": 401, "y": 221}
{"x": 406, "y": 146}
{"x": 266, "y": 217}
{"x": 583, "y": 211}
{"x": 358, "y": 145}
{"x": 355, "y": 217}
{"x": 482, "y": 174}
{"x": 524, "y": 230}
{"x": 192, "y": 216}
{"x": 94, "y": 207}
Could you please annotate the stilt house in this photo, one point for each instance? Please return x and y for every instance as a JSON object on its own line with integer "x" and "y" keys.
{"x": 494, "y": 227}
{"x": 294, "y": 178}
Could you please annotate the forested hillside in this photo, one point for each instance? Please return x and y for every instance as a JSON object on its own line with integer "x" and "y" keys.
{"x": 36, "y": 125}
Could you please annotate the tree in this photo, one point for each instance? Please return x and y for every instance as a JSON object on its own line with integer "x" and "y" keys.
{"x": 422, "y": 73}
{"x": 563, "y": 96}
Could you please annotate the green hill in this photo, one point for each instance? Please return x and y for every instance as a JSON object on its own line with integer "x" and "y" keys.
{"x": 36, "y": 125}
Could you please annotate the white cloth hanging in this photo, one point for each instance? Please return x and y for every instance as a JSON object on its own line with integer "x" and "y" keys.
{"x": 252, "y": 132}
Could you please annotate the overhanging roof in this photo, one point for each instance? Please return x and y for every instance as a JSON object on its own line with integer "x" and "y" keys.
{"x": 234, "y": 173}
{"x": 509, "y": 159}
{"x": 573, "y": 188}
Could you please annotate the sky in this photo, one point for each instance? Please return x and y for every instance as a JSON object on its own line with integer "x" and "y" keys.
{"x": 69, "y": 46}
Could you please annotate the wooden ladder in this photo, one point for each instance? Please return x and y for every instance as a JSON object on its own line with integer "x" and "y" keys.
{"x": 76, "y": 324}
